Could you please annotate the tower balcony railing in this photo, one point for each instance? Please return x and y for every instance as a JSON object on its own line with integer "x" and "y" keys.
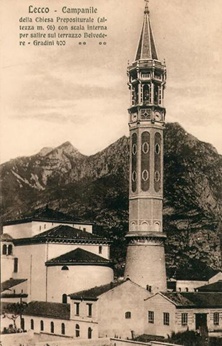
{"x": 147, "y": 64}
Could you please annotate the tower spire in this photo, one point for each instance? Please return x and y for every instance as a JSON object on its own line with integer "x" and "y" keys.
{"x": 146, "y": 48}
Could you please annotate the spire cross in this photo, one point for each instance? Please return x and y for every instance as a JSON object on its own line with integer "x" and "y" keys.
{"x": 146, "y": 7}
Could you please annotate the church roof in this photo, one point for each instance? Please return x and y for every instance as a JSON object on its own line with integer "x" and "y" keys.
{"x": 195, "y": 299}
{"x": 67, "y": 232}
{"x": 95, "y": 292}
{"x": 146, "y": 49}
{"x": 50, "y": 310}
{"x": 79, "y": 257}
{"x": 46, "y": 214}
{"x": 64, "y": 234}
{"x": 6, "y": 285}
{"x": 214, "y": 287}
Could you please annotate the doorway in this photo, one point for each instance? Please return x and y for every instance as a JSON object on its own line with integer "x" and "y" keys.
{"x": 201, "y": 324}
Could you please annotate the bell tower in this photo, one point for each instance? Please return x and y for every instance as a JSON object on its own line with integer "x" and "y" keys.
{"x": 145, "y": 261}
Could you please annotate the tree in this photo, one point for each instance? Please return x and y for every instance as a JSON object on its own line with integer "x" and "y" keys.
{"x": 13, "y": 311}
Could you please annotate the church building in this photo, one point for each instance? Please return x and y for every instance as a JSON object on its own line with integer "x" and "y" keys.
{"x": 48, "y": 251}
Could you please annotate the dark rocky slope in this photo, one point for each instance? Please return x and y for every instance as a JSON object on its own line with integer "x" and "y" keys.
{"x": 96, "y": 188}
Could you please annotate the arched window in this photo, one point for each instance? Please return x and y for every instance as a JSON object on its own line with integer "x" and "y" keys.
{"x": 77, "y": 331}
{"x": 63, "y": 329}
{"x": 41, "y": 325}
{"x": 100, "y": 249}
{"x": 64, "y": 298}
{"x": 89, "y": 333}
{"x": 22, "y": 323}
{"x": 65, "y": 268}
{"x": 32, "y": 324}
{"x": 156, "y": 94}
{"x": 146, "y": 93}
{"x": 52, "y": 327}
{"x": 4, "y": 249}
{"x": 128, "y": 314}
{"x": 10, "y": 249}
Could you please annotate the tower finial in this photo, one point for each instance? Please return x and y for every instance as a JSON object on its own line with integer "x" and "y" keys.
{"x": 146, "y": 11}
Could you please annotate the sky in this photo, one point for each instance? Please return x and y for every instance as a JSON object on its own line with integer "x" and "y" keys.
{"x": 79, "y": 93}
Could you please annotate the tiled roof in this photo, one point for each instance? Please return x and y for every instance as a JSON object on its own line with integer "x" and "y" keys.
{"x": 214, "y": 287}
{"x": 11, "y": 283}
{"x": 66, "y": 232}
{"x": 192, "y": 274}
{"x": 79, "y": 257}
{"x": 50, "y": 310}
{"x": 45, "y": 214}
{"x": 63, "y": 233}
{"x": 95, "y": 292}
{"x": 13, "y": 295}
{"x": 195, "y": 299}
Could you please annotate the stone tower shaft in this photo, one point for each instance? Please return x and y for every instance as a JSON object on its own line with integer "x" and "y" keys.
{"x": 145, "y": 262}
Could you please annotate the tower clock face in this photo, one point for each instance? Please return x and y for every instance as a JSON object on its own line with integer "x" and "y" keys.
{"x": 158, "y": 116}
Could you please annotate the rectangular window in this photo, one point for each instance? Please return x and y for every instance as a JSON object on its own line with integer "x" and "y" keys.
{"x": 15, "y": 265}
{"x": 151, "y": 316}
{"x": 159, "y": 96}
{"x": 76, "y": 309}
{"x": 216, "y": 318}
{"x": 149, "y": 288}
{"x": 166, "y": 318}
{"x": 100, "y": 249}
{"x": 184, "y": 319}
{"x": 89, "y": 305}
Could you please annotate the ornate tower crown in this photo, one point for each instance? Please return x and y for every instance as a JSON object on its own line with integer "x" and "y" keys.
{"x": 147, "y": 78}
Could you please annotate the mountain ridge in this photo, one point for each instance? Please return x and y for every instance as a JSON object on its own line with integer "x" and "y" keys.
{"x": 95, "y": 187}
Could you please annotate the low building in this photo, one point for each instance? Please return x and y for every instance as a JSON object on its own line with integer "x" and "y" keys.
{"x": 192, "y": 279}
{"x": 177, "y": 312}
{"x": 117, "y": 309}
{"x": 14, "y": 291}
{"x": 45, "y": 317}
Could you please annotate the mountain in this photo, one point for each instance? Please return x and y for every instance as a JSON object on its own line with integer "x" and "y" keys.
{"x": 96, "y": 188}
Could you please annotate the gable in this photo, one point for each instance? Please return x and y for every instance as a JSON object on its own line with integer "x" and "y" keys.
{"x": 128, "y": 290}
{"x": 159, "y": 302}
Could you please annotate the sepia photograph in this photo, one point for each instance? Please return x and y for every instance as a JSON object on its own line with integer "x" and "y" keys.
{"x": 111, "y": 173}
